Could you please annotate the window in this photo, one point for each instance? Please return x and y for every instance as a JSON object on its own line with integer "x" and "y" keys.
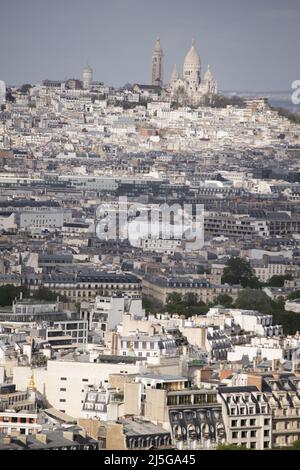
{"x": 266, "y": 433}
{"x": 244, "y": 434}
{"x": 253, "y": 433}
{"x": 62, "y": 389}
{"x": 184, "y": 399}
{"x": 234, "y": 423}
{"x": 172, "y": 400}
{"x": 252, "y": 422}
{"x": 199, "y": 399}
{"x": 267, "y": 422}
{"x": 253, "y": 445}
{"x": 63, "y": 378}
{"x": 62, "y": 400}
{"x": 235, "y": 435}
{"x": 85, "y": 380}
{"x": 266, "y": 445}
{"x": 243, "y": 422}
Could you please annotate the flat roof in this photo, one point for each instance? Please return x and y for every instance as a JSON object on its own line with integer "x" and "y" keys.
{"x": 60, "y": 415}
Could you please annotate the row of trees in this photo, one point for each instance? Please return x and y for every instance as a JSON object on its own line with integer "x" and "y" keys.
{"x": 295, "y": 446}
{"x": 248, "y": 299}
{"x": 9, "y": 292}
{"x": 239, "y": 271}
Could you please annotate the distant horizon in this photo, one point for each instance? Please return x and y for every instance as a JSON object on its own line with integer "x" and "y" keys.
{"x": 15, "y": 85}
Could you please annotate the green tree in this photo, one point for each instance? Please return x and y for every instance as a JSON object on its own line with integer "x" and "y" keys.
{"x": 239, "y": 271}
{"x": 292, "y": 117}
{"x": 9, "y": 292}
{"x": 278, "y": 281}
{"x": 220, "y": 101}
{"x": 294, "y": 295}
{"x": 48, "y": 295}
{"x": 231, "y": 447}
{"x": 150, "y": 306}
{"x": 25, "y": 88}
{"x": 174, "y": 298}
{"x": 296, "y": 445}
{"x": 190, "y": 299}
{"x": 249, "y": 299}
{"x": 225, "y": 300}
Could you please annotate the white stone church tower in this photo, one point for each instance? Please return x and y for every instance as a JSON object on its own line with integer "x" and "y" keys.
{"x": 157, "y": 64}
{"x": 191, "y": 89}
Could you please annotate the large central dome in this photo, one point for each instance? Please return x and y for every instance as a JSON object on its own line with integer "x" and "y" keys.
{"x": 192, "y": 58}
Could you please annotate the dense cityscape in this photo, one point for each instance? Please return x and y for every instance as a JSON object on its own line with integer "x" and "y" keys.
{"x": 149, "y": 264}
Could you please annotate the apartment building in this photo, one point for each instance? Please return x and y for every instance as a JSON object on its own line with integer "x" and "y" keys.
{"x": 194, "y": 417}
{"x": 159, "y": 288}
{"x": 64, "y": 382}
{"x": 247, "y": 417}
{"x": 86, "y": 285}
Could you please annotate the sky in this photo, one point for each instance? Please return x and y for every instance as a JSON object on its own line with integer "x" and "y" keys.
{"x": 250, "y": 45}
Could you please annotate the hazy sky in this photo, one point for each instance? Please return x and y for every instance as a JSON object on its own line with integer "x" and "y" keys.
{"x": 251, "y": 45}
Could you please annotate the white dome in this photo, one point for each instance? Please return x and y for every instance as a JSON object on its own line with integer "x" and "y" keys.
{"x": 192, "y": 58}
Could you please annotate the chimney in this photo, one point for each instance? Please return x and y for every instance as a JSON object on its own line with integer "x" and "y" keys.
{"x": 255, "y": 380}
{"x": 275, "y": 365}
{"x": 224, "y": 374}
{"x": 205, "y": 374}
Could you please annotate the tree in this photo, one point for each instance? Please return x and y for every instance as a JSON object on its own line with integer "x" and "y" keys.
{"x": 9, "y": 97}
{"x": 224, "y": 299}
{"x": 278, "y": 281}
{"x": 231, "y": 447}
{"x": 48, "y": 295}
{"x": 292, "y": 117}
{"x": 190, "y": 299}
{"x": 9, "y": 292}
{"x": 290, "y": 321}
{"x": 25, "y": 88}
{"x": 249, "y": 299}
{"x": 294, "y": 295}
{"x": 220, "y": 101}
{"x": 149, "y": 306}
{"x": 296, "y": 445}
{"x": 174, "y": 298}
{"x": 239, "y": 271}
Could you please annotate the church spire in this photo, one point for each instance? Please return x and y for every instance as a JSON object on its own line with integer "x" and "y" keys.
{"x": 157, "y": 47}
{"x": 208, "y": 74}
{"x": 32, "y": 385}
{"x": 157, "y": 64}
{"x": 175, "y": 74}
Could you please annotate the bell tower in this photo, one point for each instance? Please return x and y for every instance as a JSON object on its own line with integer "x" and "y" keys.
{"x": 157, "y": 64}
